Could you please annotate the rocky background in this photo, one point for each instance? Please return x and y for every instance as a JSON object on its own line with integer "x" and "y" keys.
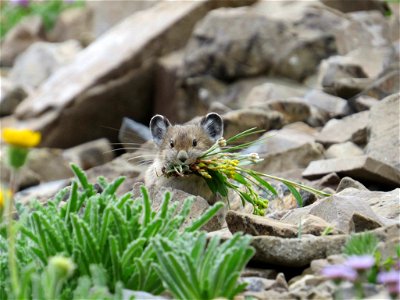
{"x": 321, "y": 77}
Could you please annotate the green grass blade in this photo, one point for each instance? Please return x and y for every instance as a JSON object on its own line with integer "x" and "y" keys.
{"x": 295, "y": 193}
{"x": 205, "y": 217}
{"x": 146, "y": 205}
{"x": 82, "y": 179}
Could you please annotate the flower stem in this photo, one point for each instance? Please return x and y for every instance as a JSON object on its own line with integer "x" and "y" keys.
{"x": 299, "y": 185}
{"x": 11, "y": 233}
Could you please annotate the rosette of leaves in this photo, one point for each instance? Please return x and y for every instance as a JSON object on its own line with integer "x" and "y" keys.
{"x": 192, "y": 270}
{"x": 110, "y": 239}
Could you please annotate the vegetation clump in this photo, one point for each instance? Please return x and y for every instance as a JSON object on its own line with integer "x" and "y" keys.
{"x": 90, "y": 237}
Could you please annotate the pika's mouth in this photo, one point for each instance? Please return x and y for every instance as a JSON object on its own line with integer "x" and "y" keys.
{"x": 177, "y": 169}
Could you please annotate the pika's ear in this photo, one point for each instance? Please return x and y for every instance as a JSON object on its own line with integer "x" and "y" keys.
{"x": 213, "y": 126}
{"x": 158, "y": 127}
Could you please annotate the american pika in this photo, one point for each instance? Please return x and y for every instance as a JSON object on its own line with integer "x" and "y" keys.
{"x": 182, "y": 144}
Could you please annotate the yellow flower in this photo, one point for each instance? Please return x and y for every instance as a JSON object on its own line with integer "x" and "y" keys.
{"x": 4, "y": 195}
{"x": 21, "y": 137}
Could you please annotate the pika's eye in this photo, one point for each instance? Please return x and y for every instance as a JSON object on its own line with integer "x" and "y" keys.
{"x": 194, "y": 143}
{"x": 171, "y": 143}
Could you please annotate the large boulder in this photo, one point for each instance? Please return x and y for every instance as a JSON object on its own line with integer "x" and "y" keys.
{"x": 291, "y": 147}
{"x": 363, "y": 168}
{"x": 40, "y": 61}
{"x": 352, "y": 128}
{"x": 339, "y": 210}
{"x": 299, "y": 252}
{"x": 83, "y": 93}
{"x": 11, "y": 94}
{"x": 19, "y": 38}
{"x": 384, "y": 124}
{"x": 233, "y": 43}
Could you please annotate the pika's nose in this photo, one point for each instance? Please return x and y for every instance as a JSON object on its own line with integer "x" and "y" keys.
{"x": 182, "y": 156}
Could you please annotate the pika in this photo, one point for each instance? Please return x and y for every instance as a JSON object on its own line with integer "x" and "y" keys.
{"x": 182, "y": 144}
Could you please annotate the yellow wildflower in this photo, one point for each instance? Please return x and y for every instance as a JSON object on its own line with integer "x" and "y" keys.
{"x": 21, "y": 137}
{"x": 4, "y": 196}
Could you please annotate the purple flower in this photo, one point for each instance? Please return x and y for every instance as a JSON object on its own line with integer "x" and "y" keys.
{"x": 359, "y": 263}
{"x": 392, "y": 276}
{"x": 23, "y": 3}
{"x": 339, "y": 272}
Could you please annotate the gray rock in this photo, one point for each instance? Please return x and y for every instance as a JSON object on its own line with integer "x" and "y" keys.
{"x": 376, "y": 24}
{"x": 237, "y": 121}
{"x": 303, "y": 57}
{"x": 289, "y": 148}
{"x": 349, "y": 87}
{"x": 352, "y": 128}
{"x": 346, "y": 6}
{"x": 74, "y": 24}
{"x": 123, "y": 165}
{"x": 132, "y": 133}
{"x": 330, "y": 180}
{"x": 169, "y": 100}
{"x": 357, "y": 33}
{"x": 200, "y": 205}
{"x": 257, "y": 225}
{"x": 358, "y": 167}
{"x": 334, "y": 106}
{"x": 363, "y": 102}
{"x": 335, "y": 68}
{"x": 337, "y": 210}
{"x": 90, "y": 154}
{"x": 19, "y": 38}
{"x": 42, "y": 192}
{"x": 10, "y": 96}
{"x": 295, "y": 252}
{"x": 317, "y": 226}
{"x": 384, "y": 86}
{"x": 293, "y": 110}
{"x": 49, "y": 164}
{"x": 268, "y": 91}
{"x": 129, "y": 294}
{"x": 341, "y": 150}
{"x": 43, "y": 165}
{"x": 384, "y": 124}
{"x": 362, "y": 223}
{"x": 224, "y": 234}
{"x": 384, "y": 204}
{"x": 107, "y": 14}
{"x": 258, "y": 272}
{"x": 348, "y": 182}
{"x": 41, "y": 60}
{"x": 257, "y": 284}
{"x": 87, "y": 84}
{"x": 233, "y": 43}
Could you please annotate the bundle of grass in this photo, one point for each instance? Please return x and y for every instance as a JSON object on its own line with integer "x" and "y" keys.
{"x": 224, "y": 168}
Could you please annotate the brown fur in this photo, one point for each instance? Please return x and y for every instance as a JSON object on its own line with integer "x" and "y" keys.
{"x": 182, "y": 137}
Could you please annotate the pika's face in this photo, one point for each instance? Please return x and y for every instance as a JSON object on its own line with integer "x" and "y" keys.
{"x": 183, "y": 144}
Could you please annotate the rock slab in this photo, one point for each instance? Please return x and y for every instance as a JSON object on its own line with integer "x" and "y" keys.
{"x": 358, "y": 167}
{"x": 384, "y": 124}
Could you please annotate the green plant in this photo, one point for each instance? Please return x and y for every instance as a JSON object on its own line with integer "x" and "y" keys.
{"x": 110, "y": 240}
{"x": 49, "y": 10}
{"x": 192, "y": 270}
{"x": 361, "y": 244}
{"x": 223, "y": 168}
